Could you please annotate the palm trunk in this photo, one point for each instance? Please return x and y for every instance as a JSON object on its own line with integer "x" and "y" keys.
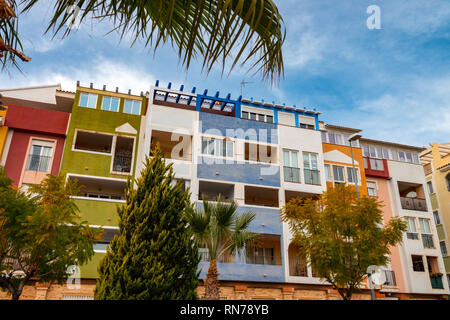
{"x": 212, "y": 290}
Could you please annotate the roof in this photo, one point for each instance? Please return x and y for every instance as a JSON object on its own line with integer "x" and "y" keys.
{"x": 427, "y": 156}
{"x": 333, "y": 126}
{"x": 392, "y": 144}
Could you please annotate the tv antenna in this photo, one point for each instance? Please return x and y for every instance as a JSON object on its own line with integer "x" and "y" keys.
{"x": 243, "y": 83}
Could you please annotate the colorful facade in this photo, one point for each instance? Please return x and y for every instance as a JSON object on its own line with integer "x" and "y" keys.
{"x": 395, "y": 176}
{"x": 259, "y": 154}
{"x": 436, "y": 163}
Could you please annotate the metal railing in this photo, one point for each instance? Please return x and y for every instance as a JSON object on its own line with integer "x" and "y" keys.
{"x": 297, "y": 267}
{"x": 390, "y": 278}
{"x": 427, "y": 240}
{"x": 267, "y": 260}
{"x": 312, "y": 176}
{"x": 38, "y": 163}
{"x": 436, "y": 282}
{"x": 225, "y": 258}
{"x": 291, "y": 174}
{"x": 122, "y": 163}
{"x": 416, "y": 204}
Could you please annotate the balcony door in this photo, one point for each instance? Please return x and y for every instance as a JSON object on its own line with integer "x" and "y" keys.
{"x": 290, "y": 166}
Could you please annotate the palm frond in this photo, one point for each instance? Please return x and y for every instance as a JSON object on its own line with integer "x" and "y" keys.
{"x": 220, "y": 31}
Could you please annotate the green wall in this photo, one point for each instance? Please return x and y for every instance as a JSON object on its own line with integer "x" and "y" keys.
{"x": 102, "y": 213}
{"x": 89, "y": 270}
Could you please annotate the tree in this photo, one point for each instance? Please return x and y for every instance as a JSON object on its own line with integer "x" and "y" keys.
{"x": 220, "y": 229}
{"x": 40, "y": 235}
{"x": 154, "y": 256}
{"x": 342, "y": 237}
{"x": 242, "y": 31}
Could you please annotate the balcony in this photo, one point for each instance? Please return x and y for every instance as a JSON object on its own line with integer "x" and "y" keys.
{"x": 416, "y": 204}
{"x": 291, "y": 174}
{"x": 225, "y": 258}
{"x": 122, "y": 163}
{"x": 376, "y": 168}
{"x": 436, "y": 282}
{"x": 312, "y": 176}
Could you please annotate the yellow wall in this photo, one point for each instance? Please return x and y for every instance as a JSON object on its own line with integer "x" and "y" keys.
{"x": 3, "y": 133}
{"x": 357, "y": 154}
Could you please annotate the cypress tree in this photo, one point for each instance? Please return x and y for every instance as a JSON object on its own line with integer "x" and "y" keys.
{"x": 154, "y": 256}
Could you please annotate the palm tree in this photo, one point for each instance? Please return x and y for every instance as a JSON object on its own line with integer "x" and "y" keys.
{"x": 220, "y": 229}
{"x": 222, "y": 31}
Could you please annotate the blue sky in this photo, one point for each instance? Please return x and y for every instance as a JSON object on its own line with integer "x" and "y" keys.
{"x": 394, "y": 83}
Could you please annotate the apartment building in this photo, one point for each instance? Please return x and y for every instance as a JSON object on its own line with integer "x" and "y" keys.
{"x": 395, "y": 176}
{"x": 257, "y": 153}
{"x": 33, "y": 132}
{"x": 436, "y": 163}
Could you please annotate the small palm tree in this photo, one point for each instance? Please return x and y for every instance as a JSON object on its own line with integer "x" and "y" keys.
{"x": 220, "y": 229}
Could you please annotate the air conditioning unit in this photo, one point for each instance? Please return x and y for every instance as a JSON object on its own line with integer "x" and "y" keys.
{"x": 2, "y": 121}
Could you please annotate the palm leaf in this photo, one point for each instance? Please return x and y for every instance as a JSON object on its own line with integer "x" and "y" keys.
{"x": 219, "y": 31}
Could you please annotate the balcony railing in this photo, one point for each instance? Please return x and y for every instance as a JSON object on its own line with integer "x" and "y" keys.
{"x": 291, "y": 174}
{"x": 297, "y": 267}
{"x": 267, "y": 260}
{"x": 427, "y": 240}
{"x": 312, "y": 176}
{"x": 436, "y": 282}
{"x": 122, "y": 163}
{"x": 38, "y": 163}
{"x": 416, "y": 204}
{"x": 225, "y": 258}
{"x": 390, "y": 278}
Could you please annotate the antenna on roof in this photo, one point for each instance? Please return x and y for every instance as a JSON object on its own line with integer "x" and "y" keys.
{"x": 243, "y": 83}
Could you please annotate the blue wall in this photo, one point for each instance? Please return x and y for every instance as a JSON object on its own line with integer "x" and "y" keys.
{"x": 259, "y": 131}
{"x": 234, "y": 171}
{"x": 245, "y": 272}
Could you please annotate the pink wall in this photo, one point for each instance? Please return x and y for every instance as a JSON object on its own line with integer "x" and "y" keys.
{"x": 383, "y": 195}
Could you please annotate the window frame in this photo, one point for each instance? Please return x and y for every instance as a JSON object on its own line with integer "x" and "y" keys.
{"x": 89, "y": 94}
{"x": 111, "y": 98}
{"x": 133, "y": 101}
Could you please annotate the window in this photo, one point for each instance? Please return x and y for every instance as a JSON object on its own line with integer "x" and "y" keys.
{"x": 123, "y": 154}
{"x": 339, "y": 138}
{"x": 40, "y": 156}
{"x": 437, "y": 219}
{"x": 328, "y": 172}
{"x": 96, "y": 142}
{"x": 306, "y": 126}
{"x": 110, "y": 104}
{"x": 257, "y": 255}
{"x": 417, "y": 262}
{"x": 252, "y": 116}
{"x": 260, "y": 153}
{"x": 257, "y": 116}
{"x": 244, "y": 115}
{"x": 401, "y": 156}
{"x": 411, "y": 231}
{"x": 324, "y": 136}
{"x": 443, "y": 248}
{"x": 290, "y": 166}
{"x": 269, "y": 119}
{"x": 366, "y": 151}
{"x": 415, "y": 157}
{"x": 385, "y": 153}
{"x": 376, "y": 164}
{"x": 408, "y": 157}
{"x": 310, "y": 168}
{"x": 372, "y": 152}
{"x": 372, "y": 188}
{"x": 352, "y": 175}
{"x": 132, "y": 107}
{"x": 88, "y": 100}
{"x": 338, "y": 174}
{"x": 108, "y": 236}
{"x": 427, "y": 237}
{"x": 261, "y": 117}
{"x": 394, "y": 155}
{"x": 430, "y": 187}
{"x": 447, "y": 181}
{"x": 331, "y": 138}
{"x": 380, "y": 152}
{"x": 217, "y": 147}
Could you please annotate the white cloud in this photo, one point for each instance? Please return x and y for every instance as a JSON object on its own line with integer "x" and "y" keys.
{"x": 100, "y": 72}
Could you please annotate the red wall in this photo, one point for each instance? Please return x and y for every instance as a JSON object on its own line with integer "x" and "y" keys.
{"x": 40, "y": 120}
{"x": 29, "y": 122}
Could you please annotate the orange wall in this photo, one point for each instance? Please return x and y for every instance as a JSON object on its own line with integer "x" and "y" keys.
{"x": 357, "y": 154}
